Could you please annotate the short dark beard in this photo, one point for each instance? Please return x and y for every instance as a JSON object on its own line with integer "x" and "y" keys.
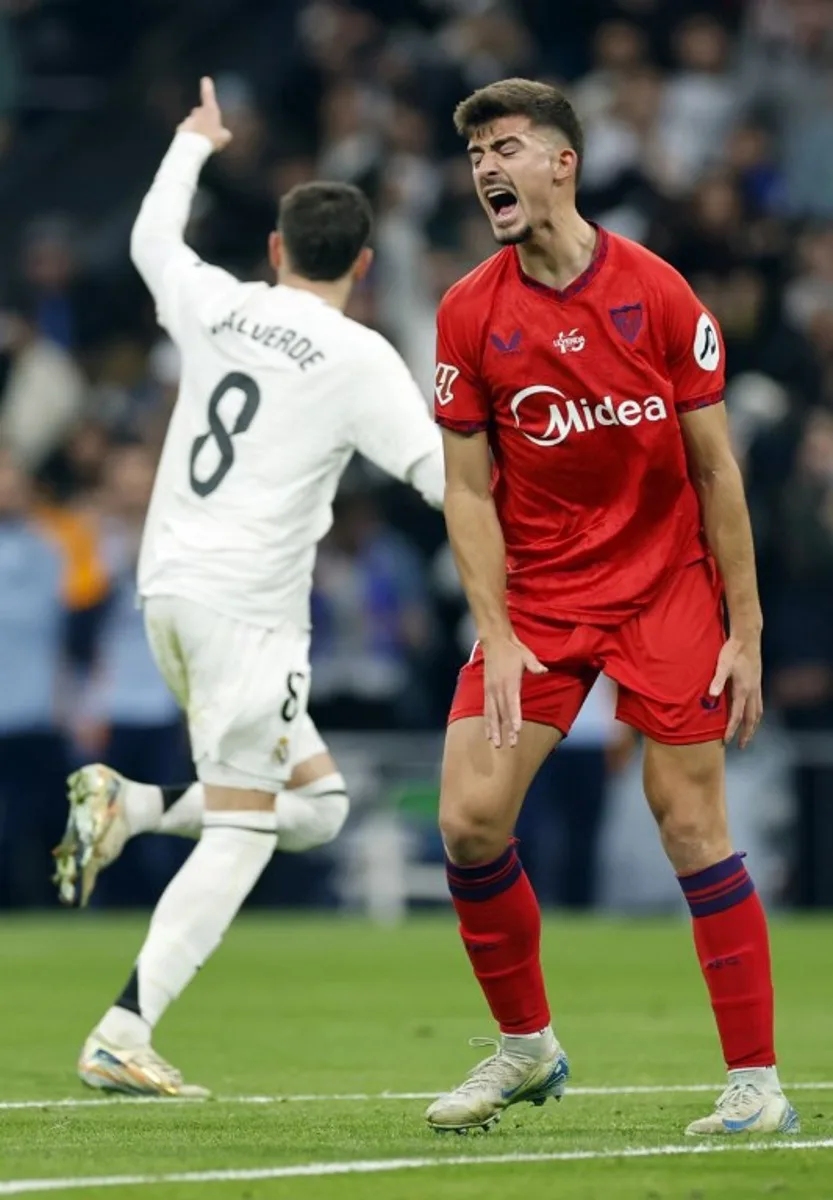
{"x": 514, "y": 239}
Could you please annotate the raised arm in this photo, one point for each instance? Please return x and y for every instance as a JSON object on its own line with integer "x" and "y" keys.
{"x": 157, "y": 247}
{"x": 717, "y": 479}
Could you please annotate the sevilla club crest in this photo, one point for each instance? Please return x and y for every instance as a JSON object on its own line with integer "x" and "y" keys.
{"x": 628, "y": 320}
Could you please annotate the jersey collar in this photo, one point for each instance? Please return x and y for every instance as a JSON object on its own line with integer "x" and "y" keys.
{"x": 581, "y": 282}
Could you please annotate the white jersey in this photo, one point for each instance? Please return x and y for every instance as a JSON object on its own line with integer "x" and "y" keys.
{"x": 278, "y": 390}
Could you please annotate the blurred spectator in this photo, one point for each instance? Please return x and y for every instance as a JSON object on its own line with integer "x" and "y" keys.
{"x": 241, "y": 209}
{"x": 698, "y": 101}
{"x": 33, "y": 759}
{"x": 623, "y": 167}
{"x": 9, "y": 80}
{"x": 755, "y": 403}
{"x": 351, "y": 135}
{"x": 41, "y": 390}
{"x": 75, "y": 471}
{"x": 801, "y": 647}
{"x": 84, "y": 582}
{"x": 785, "y": 71}
{"x": 757, "y": 336}
{"x": 68, "y": 306}
{"x": 371, "y": 624}
{"x": 619, "y": 49}
{"x": 811, "y": 292}
{"x": 751, "y": 155}
{"x": 131, "y": 720}
{"x": 710, "y": 233}
{"x": 488, "y": 44}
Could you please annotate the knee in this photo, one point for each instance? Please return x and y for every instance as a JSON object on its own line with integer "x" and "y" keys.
{"x": 693, "y": 826}
{"x": 691, "y": 837}
{"x": 332, "y": 814}
{"x": 470, "y": 837}
{"x": 313, "y": 815}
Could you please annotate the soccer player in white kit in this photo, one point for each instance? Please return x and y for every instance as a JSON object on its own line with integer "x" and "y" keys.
{"x": 278, "y": 390}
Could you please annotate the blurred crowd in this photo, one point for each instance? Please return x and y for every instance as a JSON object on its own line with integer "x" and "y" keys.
{"x": 709, "y": 138}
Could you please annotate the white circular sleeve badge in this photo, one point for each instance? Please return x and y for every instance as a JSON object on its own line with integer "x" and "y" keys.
{"x": 706, "y": 344}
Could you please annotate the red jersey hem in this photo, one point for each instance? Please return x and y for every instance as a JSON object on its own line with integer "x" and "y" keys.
{"x": 686, "y": 406}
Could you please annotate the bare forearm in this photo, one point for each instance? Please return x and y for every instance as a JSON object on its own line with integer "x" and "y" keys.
{"x": 479, "y": 551}
{"x": 729, "y": 536}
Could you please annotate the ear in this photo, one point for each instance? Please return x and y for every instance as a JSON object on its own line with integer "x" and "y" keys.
{"x": 362, "y": 264}
{"x": 565, "y": 164}
{"x": 276, "y": 252}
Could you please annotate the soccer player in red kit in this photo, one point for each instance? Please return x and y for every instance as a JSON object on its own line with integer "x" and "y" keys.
{"x": 598, "y": 521}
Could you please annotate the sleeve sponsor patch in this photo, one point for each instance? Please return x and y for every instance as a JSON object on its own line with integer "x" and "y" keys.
{"x": 706, "y": 344}
{"x": 444, "y": 383}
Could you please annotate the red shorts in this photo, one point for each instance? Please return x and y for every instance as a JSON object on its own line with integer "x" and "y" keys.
{"x": 663, "y": 660}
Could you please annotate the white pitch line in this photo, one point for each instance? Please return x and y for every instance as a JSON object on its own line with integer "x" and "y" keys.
{"x": 324, "y": 1097}
{"x": 19, "y": 1187}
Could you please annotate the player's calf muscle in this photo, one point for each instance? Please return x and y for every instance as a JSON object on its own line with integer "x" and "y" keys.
{"x": 685, "y": 787}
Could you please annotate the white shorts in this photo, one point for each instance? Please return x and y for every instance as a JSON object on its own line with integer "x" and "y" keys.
{"x": 306, "y": 743}
{"x": 244, "y": 690}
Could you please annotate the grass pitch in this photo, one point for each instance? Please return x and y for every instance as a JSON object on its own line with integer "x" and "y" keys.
{"x": 326, "y": 1008}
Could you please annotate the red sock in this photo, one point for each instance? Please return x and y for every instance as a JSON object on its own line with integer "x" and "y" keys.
{"x": 730, "y": 935}
{"x": 500, "y": 924}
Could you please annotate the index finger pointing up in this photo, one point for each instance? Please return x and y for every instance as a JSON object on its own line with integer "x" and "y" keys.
{"x": 207, "y": 94}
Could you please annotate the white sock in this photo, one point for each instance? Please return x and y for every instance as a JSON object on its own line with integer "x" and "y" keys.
{"x": 143, "y": 805}
{"x": 308, "y": 816}
{"x": 184, "y": 816}
{"x": 540, "y": 1045}
{"x": 124, "y": 1029}
{"x": 764, "y": 1077}
{"x": 312, "y": 815}
{"x": 196, "y": 909}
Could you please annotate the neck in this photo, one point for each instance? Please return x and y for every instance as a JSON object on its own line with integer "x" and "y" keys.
{"x": 560, "y": 250}
{"x": 335, "y": 292}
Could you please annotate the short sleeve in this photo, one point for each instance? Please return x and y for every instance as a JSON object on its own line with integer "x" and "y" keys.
{"x": 694, "y": 350}
{"x": 460, "y": 401}
{"x": 391, "y": 421}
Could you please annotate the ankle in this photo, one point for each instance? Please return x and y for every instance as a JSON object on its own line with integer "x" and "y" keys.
{"x": 536, "y": 1046}
{"x": 765, "y": 1078}
{"x": 124, "y": 1029}
{"x": 142, "y": 805}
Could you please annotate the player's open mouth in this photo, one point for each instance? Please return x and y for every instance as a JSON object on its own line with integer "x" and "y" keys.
{"x": 503, "y": 203}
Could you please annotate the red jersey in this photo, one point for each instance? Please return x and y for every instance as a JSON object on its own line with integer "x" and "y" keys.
{"x": 580, "y": 392}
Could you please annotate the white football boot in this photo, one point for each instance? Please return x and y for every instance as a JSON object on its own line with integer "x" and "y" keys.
{"x": 506, "y": 1077}
{"x": 137, "y": 1071}
{"x": 749, "y": 1106}
{"x": 96, "y": 831}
